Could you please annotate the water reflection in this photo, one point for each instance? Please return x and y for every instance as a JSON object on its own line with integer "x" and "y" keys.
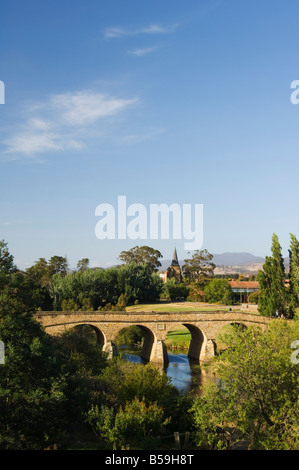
{"x": 185, "y": 374}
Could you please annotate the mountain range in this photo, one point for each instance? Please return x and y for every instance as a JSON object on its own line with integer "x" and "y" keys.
{"x": 231, "y": 262}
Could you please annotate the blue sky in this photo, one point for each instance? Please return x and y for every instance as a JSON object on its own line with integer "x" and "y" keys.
{"x": 163, "y": 102}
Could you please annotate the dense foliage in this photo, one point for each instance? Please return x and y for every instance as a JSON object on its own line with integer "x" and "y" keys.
{"x": 52, "y": 386}
{"x": 256, "y": 400}
{"x": 142, "y": 255}
{"x": 218, "y": 291}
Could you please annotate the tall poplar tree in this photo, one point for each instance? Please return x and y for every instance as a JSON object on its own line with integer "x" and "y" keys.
{"x": 273, "y": 293}
{"x": 294, "y": 274}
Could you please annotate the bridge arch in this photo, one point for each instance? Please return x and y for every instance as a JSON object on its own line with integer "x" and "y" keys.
{"x": 59, "y": 329}
{"x": 149, "y": 340}
{"x": 198, "y": 343}
{"x": 99, "y": 334}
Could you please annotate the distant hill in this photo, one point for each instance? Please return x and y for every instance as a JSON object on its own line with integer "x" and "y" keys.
{"x": 225, "y": 259}
{"x": 236, "y": 259}
{"x": 231, "y": 263}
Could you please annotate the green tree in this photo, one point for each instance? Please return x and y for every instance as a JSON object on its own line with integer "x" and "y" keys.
{"x": 199, "y": 266}
{"x": 122, "y": 302}
{"x": 273, "y": 293}
{"x": 256, "y": 399}
{"x": 138, "y": 282}
{"x": 37, "y": 279}
{"x": 7, "y": 265}
{"x": 15, "y": 282}
{"x": 105, "y": 286}
{"x": 39, "y": 272}
{"x": 82, "y": 264}
{"x": 254, "y": 297}
{"x": 32, "y": 387}
{"x": 176, "y": 291}
{"x": 130, "y": 335}
{"x": 294, "y": 274}
{"x": 142, "y": 255}
{"x": 69, "y": 305}
{"x": 218, "y": 291}
{"x": 101, "y": 418}
{"x": 81, "y": 352}
{"x": 58, "y": 265}
{"x": 123, "y": 381}
{"x": 139, "y": 423}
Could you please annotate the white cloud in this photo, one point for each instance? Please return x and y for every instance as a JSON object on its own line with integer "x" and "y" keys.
{"x": 116, "y": 32}
{"x": 40, "y": 124}
{"x": 139, "y": 52}
{"x": 64, "y": 121}
{"x": 83, "y": 108}
{"x": 138, "y": 138}
{"x": 158, "y": 29}
{"x": 32, "y": 143}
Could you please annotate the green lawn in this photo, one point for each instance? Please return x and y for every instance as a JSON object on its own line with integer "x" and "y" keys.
{"x": 176, "y": 306}
{"x": 178, "y": 339}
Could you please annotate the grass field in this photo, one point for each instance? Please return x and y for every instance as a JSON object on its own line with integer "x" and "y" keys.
{"x": 178, "y": 339}
{"x": 176, "y": 306}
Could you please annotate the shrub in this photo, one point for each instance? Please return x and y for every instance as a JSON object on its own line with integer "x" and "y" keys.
{"x": 218, "y": 291}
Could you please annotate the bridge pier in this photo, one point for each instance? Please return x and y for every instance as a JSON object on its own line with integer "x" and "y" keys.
{"x": 111, "y": 349}
{"x": 197, "y": 343}
{"x": 207, "y": 351}
{"x": 148, "y": 343}
{"x": 159, "y": 353}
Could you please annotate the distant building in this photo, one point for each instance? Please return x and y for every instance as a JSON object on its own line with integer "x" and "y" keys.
{"x": 174, "y": 270}
{"x": 244, "y": 288}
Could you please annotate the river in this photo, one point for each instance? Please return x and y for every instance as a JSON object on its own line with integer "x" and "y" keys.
{"x": 185, "y": 374}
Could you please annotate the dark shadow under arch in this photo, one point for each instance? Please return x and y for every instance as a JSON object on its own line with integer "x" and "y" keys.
{"x": 100, "y": 338}
{"x": 196, "y": 343}
{"x": 147, "y": 342}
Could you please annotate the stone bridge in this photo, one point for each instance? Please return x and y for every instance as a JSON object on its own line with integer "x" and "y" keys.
{"x": 203, "y": 327}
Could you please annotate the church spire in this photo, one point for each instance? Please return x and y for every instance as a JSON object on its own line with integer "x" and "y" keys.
{"x": 174, "y": 261}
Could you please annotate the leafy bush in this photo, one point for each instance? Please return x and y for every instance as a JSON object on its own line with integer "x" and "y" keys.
{"x": 218, "y": 291}
{"x": 175, "y": 291}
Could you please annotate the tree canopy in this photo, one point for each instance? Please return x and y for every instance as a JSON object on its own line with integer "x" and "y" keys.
{"x": 142, "y": 255}
{"x": 256, "y": 399}
{"x": 273, "y": 294}
{"x": 199, "y": 266}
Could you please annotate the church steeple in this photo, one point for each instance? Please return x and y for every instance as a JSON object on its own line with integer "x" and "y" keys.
{"x": 175, "y": 261}
{"x": 174, "y": 269}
